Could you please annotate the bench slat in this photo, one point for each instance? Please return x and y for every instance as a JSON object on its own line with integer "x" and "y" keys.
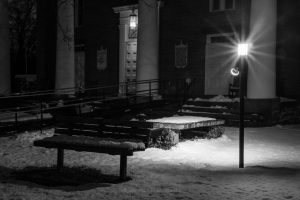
{"x": 143, "y": 137}
{"x": 77, "y": 119}
{"x": 132, "y": 131}
{"x": 96, "y": 133}
{"x": 139, "y": 124}
{"x": 108, "y": 128}
{"x": 92, "y": 127}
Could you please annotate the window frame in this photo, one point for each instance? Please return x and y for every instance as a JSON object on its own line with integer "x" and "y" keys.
{"x": 222, "y": 6}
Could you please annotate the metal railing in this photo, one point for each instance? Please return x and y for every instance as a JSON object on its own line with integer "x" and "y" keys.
{"x": 41, "y": 102}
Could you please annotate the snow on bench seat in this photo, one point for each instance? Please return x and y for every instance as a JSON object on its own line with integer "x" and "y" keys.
{"x": 100, "y": 145}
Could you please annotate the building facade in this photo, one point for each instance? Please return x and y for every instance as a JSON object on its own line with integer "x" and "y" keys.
{"x": 185, "y": 39}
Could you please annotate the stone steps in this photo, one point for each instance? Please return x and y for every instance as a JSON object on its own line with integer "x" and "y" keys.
{"x": 228, "y": 111}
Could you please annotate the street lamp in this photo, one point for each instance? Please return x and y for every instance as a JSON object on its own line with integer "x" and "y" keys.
{"x": 243, "y": 51}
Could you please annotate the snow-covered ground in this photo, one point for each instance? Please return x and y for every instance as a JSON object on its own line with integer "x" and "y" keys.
{"x": 199, "y": 169}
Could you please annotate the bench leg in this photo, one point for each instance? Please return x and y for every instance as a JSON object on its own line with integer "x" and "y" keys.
{"x": 60, "y": 159}
{"x": 123, "y": 167}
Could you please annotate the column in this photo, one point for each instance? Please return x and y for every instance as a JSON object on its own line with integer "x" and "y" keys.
{"x": 147, "y": 43}
{"x": 65, "y": 55}
{"x": 123, "y": 28}
{"x": 262, "y": 62}
{"x": 4, "y": 49}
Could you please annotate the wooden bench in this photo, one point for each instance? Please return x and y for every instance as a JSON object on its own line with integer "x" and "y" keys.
{"x": 100, "y": 136}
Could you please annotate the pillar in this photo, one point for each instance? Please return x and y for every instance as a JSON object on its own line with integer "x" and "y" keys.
{"x": 123, "y": 28}
{"x": 262, "y": 62}
{"x": 65, "y": 55}
{"x": 4, "y": 49}
{"x": 147, "y": 43}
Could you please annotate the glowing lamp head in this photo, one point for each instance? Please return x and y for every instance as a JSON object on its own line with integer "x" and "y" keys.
{"x": 243, "y": 49}
{"x": 133, "y": 21}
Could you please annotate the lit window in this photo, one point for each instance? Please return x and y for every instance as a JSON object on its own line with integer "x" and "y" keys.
{"x": 221, "y": 5}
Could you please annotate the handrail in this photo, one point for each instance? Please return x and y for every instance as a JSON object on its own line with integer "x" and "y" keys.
{"x": 101, "y": 94}
{"x": 31, "y": 94}
{"x": 65, "y": 104}
{"x": 72, "y": 89}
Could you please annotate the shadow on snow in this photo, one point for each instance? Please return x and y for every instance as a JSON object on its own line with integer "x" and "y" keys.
{"x": 67, "y": 179}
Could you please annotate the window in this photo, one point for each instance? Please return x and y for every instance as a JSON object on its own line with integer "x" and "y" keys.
{"x": 216, "y": 4}
{"x": 78, "y": 13}
{"x": 220, "y": 38}
{"x": 221, "y": 5}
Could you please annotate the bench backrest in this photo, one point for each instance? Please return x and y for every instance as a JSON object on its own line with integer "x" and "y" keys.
{"x": 94, "y": 127}
{"x": 140, "y": 124}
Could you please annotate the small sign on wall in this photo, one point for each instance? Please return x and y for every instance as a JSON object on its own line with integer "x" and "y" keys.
{"x": 101, "y": 59}
{"x": 79, "y": 69}
{"x": 181, "y": 55}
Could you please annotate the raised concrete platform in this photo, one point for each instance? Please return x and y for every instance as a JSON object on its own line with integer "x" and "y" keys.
{"x": 185, "y": 122}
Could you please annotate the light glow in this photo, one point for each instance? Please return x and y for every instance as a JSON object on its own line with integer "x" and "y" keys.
{"x": 243, "y": 49}
{"x": 133, "y": 21}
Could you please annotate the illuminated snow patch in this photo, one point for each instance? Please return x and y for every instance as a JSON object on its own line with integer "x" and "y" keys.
{"x": 198, "y": 153}
{"x": 271, "y": 146}
{"x": 181, "y": 119}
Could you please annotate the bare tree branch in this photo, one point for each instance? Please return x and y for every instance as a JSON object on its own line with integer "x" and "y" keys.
{"x": 146, "y": 3}
{"x": 66, "y": 37}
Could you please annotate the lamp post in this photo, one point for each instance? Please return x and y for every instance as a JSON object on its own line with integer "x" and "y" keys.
{"x": 243, "y": 50}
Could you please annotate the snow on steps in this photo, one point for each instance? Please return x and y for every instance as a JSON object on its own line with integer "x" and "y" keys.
{"x": 226, "y": 110}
